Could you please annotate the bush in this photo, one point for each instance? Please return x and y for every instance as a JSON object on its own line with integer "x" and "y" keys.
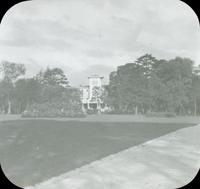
{"x": 52, "y": 110}
{"x": 57, "y": 102}
{"x": 27, "y": 114}
{"x": 160, "y": 114}
{"x": 92, "y": 111}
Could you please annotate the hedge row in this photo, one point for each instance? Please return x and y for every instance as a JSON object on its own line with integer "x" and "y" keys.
{"x": 53, "y": 110}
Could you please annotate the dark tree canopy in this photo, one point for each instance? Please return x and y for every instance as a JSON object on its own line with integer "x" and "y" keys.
{"x": 54, "y": 77}
{"x": 145, "y": 85}
{"x": 11, "y": 71}
{"x": 149, "y": 84}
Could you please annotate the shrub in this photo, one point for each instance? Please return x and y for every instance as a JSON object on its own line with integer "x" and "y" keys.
{"x": 66, "y": 103}
{"x": 92, "y": 111}
{"x": 52, "y": 110}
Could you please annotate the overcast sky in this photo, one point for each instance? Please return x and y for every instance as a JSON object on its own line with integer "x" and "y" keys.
{"x": 85, "y": 37}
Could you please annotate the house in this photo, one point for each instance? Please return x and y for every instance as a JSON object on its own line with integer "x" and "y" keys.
{"x": 196, "y": 70}
{"x": 91, "y": 94}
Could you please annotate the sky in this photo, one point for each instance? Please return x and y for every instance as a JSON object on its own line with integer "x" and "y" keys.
{"x": 86, "y": 37}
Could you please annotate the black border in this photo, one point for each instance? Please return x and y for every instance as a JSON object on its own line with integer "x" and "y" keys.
{"x": 194, "y": 5}
{"x": 5, "y": 182}
{"x": 5, "y": 5}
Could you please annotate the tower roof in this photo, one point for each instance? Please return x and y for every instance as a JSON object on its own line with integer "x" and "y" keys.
{"x": 95, "y": 76}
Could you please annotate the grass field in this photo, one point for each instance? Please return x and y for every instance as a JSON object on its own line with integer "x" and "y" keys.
{"x": 32, "y": 151}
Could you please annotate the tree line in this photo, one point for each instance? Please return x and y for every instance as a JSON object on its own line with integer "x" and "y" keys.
{"x": 152, "y": 85}
{"x": 146, "y": 85}
{"x": 48, "y": 93}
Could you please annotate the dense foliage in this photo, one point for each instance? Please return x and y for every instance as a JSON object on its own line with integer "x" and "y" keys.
{"x": 65, "y": 103}
{"x": 146, "y": 86}
{"x": 48, "y": 94}
{"x": 151, "y": 85}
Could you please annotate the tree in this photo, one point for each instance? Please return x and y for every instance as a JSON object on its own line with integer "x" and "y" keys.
{"x": 51, "y": 93}
{"x": 27, "y": 91}
{"x": 53, "y": 77}
{"x": 176, "y": 75}
{"x": 148, "y": 64}
{"x": 55, "y": 96}
{"x": 68, "y": 104}
{"x": 98, "y": 96}
{"x": 195, "y": 94}
{"x": 129, "y": 85}
{"x": 6, "y": 92}
{"x": 149, "y": 84}
{"x": 10, "y": 72}
{"x": 113, "y": 92}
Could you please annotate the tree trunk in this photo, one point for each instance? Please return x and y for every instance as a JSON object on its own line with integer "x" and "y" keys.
{"x": 136, "y": 110}
{"x": 195, "y": 107}
{"x": 150, "y": 109}
{"x": 9, "y": 106}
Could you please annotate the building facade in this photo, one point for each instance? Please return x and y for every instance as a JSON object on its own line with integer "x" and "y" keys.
{"x": 92, "y": 94}
{"x": 196, "y": 70}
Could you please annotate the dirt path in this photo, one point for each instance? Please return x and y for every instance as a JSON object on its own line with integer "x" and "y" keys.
{"x": 170, "y": 161}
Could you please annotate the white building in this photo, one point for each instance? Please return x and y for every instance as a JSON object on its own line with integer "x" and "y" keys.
{"x": 92, "y": 94}
{"x": 196, "y": 70}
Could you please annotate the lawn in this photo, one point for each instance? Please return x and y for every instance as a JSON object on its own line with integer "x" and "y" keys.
{"x": 32, "y": 151}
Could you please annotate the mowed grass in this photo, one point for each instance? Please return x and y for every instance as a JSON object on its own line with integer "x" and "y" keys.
{"x": 32, "y": 151}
